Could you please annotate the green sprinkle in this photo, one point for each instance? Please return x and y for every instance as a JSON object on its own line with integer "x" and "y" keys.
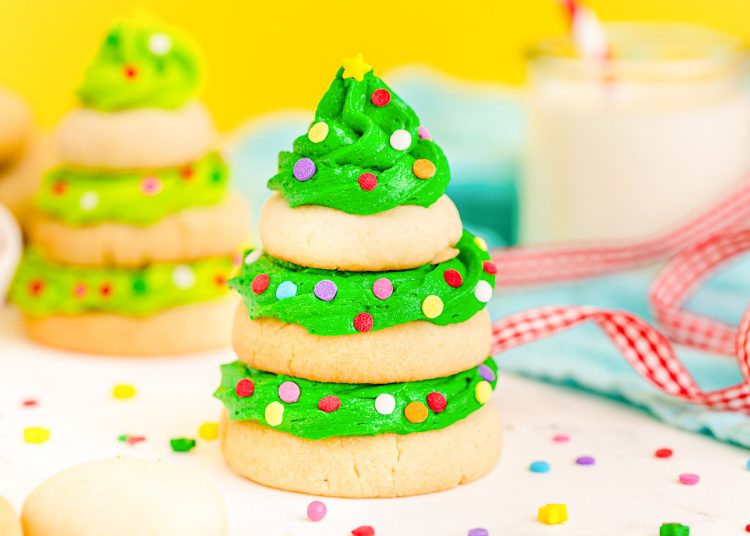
{"x": 182, "y": 444}
{"x": 122, "y": 438}
{"x": 674, "y": 529}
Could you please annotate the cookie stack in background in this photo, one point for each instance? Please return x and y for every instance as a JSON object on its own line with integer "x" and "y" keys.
{"x": 363, "y": 339}
{"x": 24, "y": 152}
{"x": 135, "y": 234}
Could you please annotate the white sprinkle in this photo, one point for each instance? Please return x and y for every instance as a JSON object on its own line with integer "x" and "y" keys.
{"x": 183, "y": 276}
{"x": 159, "y": 44}
{"x": 385, "y": 404}
{"x": 253, "y": 256}
{"x": 401, "y": 140}
{"x": 89, "y": 201}
{"x": 483, "y": 291}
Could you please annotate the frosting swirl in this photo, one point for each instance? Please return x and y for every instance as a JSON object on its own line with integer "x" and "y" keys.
{"x": 364, "y": 153}
{"x": 43, "y": 288}
{"x": 314, "y": 410}
{"x": 141, "y": 64}
{"x": 84, "y": 196}
{"x": 338, "y": 303}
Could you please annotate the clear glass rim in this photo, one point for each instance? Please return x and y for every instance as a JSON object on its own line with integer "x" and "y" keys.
{"x": 728, "y": 54}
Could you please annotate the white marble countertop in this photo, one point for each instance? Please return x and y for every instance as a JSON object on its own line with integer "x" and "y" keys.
{"x": 628, "y": 492}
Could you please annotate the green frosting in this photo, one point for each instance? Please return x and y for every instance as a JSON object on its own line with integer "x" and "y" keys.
{"x": 141, "y": 64}
{"x": 360, "y": 412}
{"x": 82, "y": 196}
{"x": 42, "y": 287}
{"x": 358, "y": 141}
{"x": 291, "y": 294}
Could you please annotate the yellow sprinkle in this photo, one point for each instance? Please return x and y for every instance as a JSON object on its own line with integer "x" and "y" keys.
{"x": 479, "y": 241}
{"x": 432, "y": 306}
{"x": 35, "y": 434}
{"x": 553, "y": 514}
{"x": 318, "y": 132}
{"x": 274, "y": 413}
{"x": 208, "y": 431}
{"x": 123, "y": 391}
{"x": 483, "y": 392}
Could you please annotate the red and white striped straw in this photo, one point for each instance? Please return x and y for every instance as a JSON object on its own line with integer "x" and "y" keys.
{"x": 587, "y": 31}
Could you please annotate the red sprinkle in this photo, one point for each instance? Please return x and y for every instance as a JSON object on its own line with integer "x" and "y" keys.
{"x": 220, "y": 280}
{"x": 329, "y": 403}
{"x": 368, "y": 181}
{"x": 135, "y": 439}
{"x": 663, "y": 453}
{"x": 105, "y": 290}
{"x": 747, "y": 528}
{"x": 436, "y": 401}
{"x": 489, "y": 267}
{"x": 363, "y": 322}
{"x": 453, "y": 278}
{"x": 364, "y": 530}
{"x": 244, "y": 388}
{"x": 260, "y": 283}
{"x": 29, "y": 403}
{"x": 130, "y": 72}
{"x": 36, "y": 287}
{"x": 59, "y": 187}
{"x": 381, "y": 97}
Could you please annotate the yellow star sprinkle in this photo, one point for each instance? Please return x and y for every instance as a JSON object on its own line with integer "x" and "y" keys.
{"x": 356, "y": 67}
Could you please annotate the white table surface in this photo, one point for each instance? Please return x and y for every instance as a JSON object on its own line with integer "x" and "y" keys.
{"x": 628, "y": 491}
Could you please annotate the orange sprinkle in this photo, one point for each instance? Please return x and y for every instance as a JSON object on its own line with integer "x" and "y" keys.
{"x": 423, "y": 168}
{"x": 416, "y": 412}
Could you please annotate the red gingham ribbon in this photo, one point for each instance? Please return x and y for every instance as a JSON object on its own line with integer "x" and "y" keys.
{"x": 709, "y": 240}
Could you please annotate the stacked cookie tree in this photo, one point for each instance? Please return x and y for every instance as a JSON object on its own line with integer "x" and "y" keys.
{"x": 135, "y": 234}
{"x": 363, "y": 339}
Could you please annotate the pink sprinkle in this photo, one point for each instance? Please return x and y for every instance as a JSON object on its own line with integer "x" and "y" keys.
{"x": 29, "y": 403}
{"x": 689, "y": 479}
{"x": 382, "y": 288}
{"x": 79, "y": 291}
{"x": 424, "y": 133}
{"x": 316, "y": 511}
{"x": 150, "y": 186}
{"x": 289, "y": 392}
{"x": 561, "y": 438}
{"x": 135, "y": 439}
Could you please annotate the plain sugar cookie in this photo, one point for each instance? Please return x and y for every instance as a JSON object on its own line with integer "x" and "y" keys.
{"x": 189, "y": 328}
{"x": 190, "y": 234}
{"x": 141, "y": 138}
{"x": 125, "y": 497}
{"x": 320, "y": 237}
{"x": 403, "y": 353}
{"x": 10, "y": 524}
{"x": 387, "y": 465}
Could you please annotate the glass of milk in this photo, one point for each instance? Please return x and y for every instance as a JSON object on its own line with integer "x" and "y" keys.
{"x": 628, "y": 147}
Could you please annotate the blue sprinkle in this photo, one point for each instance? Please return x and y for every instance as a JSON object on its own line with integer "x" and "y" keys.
{"x": 748, "y": 465}
{"x": 286, "y": 289}
{"x": 539, "y": 467}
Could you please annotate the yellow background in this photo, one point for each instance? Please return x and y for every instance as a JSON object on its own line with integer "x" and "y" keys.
{"x": 271, "y": 54}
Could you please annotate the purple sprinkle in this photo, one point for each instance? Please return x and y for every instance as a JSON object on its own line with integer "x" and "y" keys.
{"x": 486, "y": 373}
{"x": 585, "y": 460}
{"x": 479, "y": 532}
{"x": 304, "y": 169}
{"x": 325, "y": 289}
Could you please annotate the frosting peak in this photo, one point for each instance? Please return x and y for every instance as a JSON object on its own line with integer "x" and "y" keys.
{"x": 365, "y": 152}
{"x": 141, "y": 63}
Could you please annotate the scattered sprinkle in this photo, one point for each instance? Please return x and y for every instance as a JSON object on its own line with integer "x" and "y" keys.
{"x": 585, "y": 460}
{"x": 381, "y": 97}
{"x": 561, "y": 438}
{"x": 123, "y": 391}
{"x": 400, "y": 140}
{"x": 747, "y": 528}
{"x": 30, "y": 403}
{"x": 747, "y": 465}
{"x": 182, "y": 444}
{"x": 553, "y": 514}
{"x": 131, "y": 439}
{"x": 208, "y": 431}
{"x": 316, "y": 511}
{"x": 689, "y": 479}
{"x": 674, "y": 529}
{"x": 663, "y": 453}
{"x": 479, "y": 532}
{"x": 364, "y": 530}
{"x": 415, "y": 412}
{"x": 385, "y": 404}
{"x": 539, "y": 466}
{"x": 36, "y": 435}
